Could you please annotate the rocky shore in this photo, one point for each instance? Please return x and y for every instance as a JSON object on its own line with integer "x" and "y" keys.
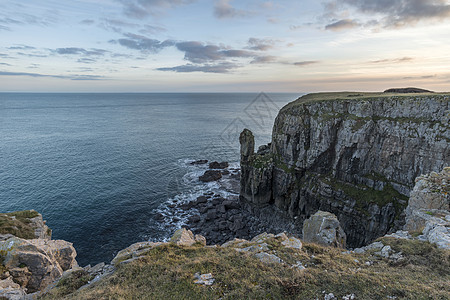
{"x": 293, "y": 208}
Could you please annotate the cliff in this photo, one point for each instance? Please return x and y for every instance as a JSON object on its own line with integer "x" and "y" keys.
{"x": 353, "y": 154}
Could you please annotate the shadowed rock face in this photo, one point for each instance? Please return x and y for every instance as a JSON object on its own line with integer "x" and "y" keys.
{"x": 353, "y": 155}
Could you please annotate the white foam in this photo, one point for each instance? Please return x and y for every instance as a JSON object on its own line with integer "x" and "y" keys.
{"x": 176, "y": 217}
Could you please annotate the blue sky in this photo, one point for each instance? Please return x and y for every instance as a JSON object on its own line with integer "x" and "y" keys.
{"x": 223, "y": 45}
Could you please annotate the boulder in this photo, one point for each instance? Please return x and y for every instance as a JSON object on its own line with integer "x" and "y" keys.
{"x": 183, "y": 237}
{"x": 268, "y": 258}
{"x": 200, "y": 239}
{"x": 199, "y": 162}
{"x": 210, "y": 175}
{"x": 134, "y": 251}
{"x": 292, "y": 242}
{"x": 218, "y": 165}
{"x": 323, "y": 228}
{"x": 38, "y": 262}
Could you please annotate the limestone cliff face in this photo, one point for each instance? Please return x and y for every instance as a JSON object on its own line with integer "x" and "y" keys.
{"x": 355, "y": 155}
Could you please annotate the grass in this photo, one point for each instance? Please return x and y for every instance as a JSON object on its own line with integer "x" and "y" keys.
{"x": 365, "y": 195}
{"x": 18, "y": 223}
{"x": 313, "y": 97}
{"x": 166, "y": 272}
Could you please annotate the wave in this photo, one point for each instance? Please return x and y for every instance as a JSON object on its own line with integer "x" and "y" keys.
{"x": 171, "y": 215}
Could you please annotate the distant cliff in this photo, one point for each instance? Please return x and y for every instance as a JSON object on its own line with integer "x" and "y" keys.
{"x": 353, "y": 154}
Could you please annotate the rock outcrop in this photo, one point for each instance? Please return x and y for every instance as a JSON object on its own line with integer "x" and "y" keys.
{"x": 431, "y": 192}
{"x": 25, "y": 224}
{"x": 428, "y": 210}
{"x": 323, "y": 228}
{"x": 353, "y": 154}
{"x": 29, "y": 260}
{"x": 36, "y": 263}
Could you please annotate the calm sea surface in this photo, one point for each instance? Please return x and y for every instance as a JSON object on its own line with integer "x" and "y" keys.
{"x": 100, "y": 166}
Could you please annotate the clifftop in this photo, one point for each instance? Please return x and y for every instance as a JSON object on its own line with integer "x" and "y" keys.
{"x": 344, "y": 96}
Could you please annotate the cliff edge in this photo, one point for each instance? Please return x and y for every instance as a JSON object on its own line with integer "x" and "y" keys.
{"x": 353, "y": 154}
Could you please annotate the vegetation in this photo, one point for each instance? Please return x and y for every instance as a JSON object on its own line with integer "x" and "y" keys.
{"x": 73, "y": 282}
{"x": 167, "y": 272}
{"x": 18, "y": 223}
{"x": 364, "y": 195}
{"x": 362, "y": 95}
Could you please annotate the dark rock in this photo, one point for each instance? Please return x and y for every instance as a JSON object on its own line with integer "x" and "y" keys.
{"x": 159, "y": 217}
{"x": 210, "y": 175}
{"x": 225, "y": 172}
{"x": 201, "y": 199}
{"x": 218, "y": 165}
{"x": 222, "y": 209}
{"x": 199, "y": 162}
{"x": 230, "y": 204}
{"x": 217, "y": 201}
{"x": 171, "y": 205}
{"x": 187, "y": 205}
{"x": 407, "y": 90}
{"x": 194, "y": 219}
{"x": 263, "y": 149}
{"x": 211, "y": 214}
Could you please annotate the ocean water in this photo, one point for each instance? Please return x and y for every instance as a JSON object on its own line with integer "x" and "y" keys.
{"x": 99, "y": 167}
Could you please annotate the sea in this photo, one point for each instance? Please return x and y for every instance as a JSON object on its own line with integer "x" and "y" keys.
{"x": 101, "y": 167}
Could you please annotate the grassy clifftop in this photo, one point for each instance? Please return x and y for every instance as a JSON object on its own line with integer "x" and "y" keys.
{"x": 336, "y": 96}
{"x": 312, "y": 272}
{"x": 18, "y": 223}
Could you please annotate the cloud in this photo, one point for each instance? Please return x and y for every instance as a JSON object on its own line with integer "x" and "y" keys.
{"x": 420, "y": 77}
{"x": 140, "y": 9}
{"x": 21, "y": 47}
{"x": 260, "y": 44}
{"x": 143, "y": 43}
{"x": 150, "y": 29}
{"x": 197, "y": 52}
{"x": 342, "y": 25}
{"x": 396, "y": 13}
{"x": 10, "y": 21}
{"x": 224, "y": 10}
{"x": 305, "y": 63}
{"x": 32, "y": 54}
{"x": 264, "y": 59}
{"x": 85, "y": 60}
{"x": 87, "y": 22}
{"x": 37, "y": 75}
{"x": 393, "y": 60}
{"x": 4, "y": 64}
{"x": 116, "y": 25}
{"x": 81, "y": 51}
{"x": 224, "y": 67}
{"x": 5, "y": 28}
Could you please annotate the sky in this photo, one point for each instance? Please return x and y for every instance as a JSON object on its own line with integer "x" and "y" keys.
{"x": 223, "y": 45}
